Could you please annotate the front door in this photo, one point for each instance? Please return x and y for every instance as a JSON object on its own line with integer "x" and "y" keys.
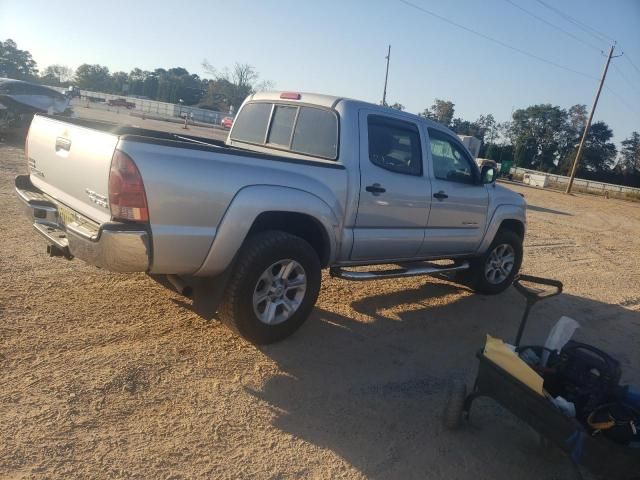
{"x": 394, "y": 192}
{"x": 459, "y": 200}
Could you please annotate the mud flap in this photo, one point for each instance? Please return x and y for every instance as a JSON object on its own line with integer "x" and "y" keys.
{"x": 208, "y": 293}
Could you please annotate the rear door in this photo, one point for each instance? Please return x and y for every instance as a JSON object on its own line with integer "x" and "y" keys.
{"x": 459, "y": 201}
{"x": 394, "y": 192}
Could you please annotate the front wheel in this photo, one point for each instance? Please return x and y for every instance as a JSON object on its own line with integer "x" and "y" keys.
{"x": 273, "y": 287}
{"x": 495, "y": 270}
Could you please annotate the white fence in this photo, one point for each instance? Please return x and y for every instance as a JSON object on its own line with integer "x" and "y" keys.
{"x": 154, "y": 107}
{"x": 590, "y": 186}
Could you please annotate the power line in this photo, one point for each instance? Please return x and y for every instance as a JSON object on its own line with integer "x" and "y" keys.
{"x": 494, "y": 40}
{"x": 590, "y": 30}
{"x": 516, "y": 49}
{"x": 632, "y": 64}
{"x": 623, "y": 101}
{"x": 590, "y": 45}
{"x": 626, "y": 79}
{"x": 600, "y": 36}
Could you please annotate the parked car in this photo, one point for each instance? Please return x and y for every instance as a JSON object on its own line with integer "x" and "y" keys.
{"x": 19, "y": 101}
{"x": 227, "y": 122}
{"x": 73, "y": 91}
{"x": 303, "y": 182}
{"x": 121, "y": 102}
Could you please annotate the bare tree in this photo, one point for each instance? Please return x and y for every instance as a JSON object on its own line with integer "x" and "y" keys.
{"x": 210, "y": 69}
{"x": 61, "y": 72}
{"x": 264, "y": 85}
{"x": 243, "y": 75}
{"x": 233, "y": 86}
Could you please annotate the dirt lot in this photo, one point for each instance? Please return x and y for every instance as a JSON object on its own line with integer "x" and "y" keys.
{"x": 108, "y": 376}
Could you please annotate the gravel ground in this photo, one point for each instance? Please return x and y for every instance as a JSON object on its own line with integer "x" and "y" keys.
{"x": 105, "y": 375}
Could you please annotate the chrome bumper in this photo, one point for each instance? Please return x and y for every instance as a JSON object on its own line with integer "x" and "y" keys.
{"x": 114, "y": 246}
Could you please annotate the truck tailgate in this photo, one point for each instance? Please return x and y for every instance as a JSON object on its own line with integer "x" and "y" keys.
{"x": 71, "y": 163}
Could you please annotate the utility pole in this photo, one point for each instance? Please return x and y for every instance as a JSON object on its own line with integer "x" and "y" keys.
{"x": 574, "y": 168}
{"x": 386, "y": 76}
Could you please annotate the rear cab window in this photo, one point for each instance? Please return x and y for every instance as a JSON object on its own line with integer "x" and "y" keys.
{"x": 251, "y": 125}
{"x": 303, "y": 129}
{"x": 282, "y": 122}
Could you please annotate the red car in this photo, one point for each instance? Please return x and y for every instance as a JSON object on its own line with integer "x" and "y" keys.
{"x": 227, "y": 122}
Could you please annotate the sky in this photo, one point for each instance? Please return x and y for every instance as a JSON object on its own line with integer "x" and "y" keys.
{"x": 339, "y": 47}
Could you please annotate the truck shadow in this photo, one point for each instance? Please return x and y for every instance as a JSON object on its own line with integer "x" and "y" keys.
{"x": 372, "y": 391}
{"x": 535, "y": 208}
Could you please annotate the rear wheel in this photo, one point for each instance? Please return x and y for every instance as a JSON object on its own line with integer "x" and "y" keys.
{"x": 273, "y": 287}
{"x": 495, "y": 270}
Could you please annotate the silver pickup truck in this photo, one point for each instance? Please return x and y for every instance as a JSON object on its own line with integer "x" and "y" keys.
{"x": 303, "y": 182}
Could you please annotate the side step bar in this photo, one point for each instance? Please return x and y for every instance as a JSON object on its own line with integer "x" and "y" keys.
{"x": 404, "y": 270}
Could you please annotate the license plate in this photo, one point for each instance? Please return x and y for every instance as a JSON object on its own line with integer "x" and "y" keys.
{"x": 66, "y": 216}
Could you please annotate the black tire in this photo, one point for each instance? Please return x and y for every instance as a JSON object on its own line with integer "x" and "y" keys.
{"x": 454, "y": 405}
{"x": 258, "y": 252}
{"x": 475, "y": 277}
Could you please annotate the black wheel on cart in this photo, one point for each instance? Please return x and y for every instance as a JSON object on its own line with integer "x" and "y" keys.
{"x": 454, "y": 405}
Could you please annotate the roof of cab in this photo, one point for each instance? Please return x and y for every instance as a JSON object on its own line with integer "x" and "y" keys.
{"x": 330, "y": 101}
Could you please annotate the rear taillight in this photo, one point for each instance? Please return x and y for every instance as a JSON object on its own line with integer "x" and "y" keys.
{"x": 127, "y": 198}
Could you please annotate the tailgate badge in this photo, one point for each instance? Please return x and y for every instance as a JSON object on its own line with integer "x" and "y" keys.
{"x": 96, "y": 198}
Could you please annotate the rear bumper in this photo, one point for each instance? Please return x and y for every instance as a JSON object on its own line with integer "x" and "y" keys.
{"x": 114, "y": 246}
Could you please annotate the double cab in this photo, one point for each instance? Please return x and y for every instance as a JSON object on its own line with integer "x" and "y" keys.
{"x": 303, "y": 182}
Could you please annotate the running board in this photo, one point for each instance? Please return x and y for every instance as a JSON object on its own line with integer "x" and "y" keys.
{"x": 405, "y": 270}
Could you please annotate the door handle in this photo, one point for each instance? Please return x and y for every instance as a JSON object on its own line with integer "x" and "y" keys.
{"x": 440, "y": 195}
{"x": 376, "y": 189}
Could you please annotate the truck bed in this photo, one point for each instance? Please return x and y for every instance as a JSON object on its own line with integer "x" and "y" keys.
{"x": 189, "y": 181}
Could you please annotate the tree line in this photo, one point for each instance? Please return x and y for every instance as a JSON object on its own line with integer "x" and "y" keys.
{"x": 545, "y": 137}
{"x": 542, "y": 137}
{"x": 223, "y": 91}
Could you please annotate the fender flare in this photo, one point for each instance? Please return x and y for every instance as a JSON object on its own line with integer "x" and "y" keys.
{"x": 245, "y": 207}
{"x": 500, "y": 214}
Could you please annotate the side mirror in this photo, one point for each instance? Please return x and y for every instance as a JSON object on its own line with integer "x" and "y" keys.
{"x": 488, "y": 174}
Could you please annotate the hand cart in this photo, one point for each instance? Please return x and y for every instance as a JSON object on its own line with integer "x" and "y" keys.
{"x": 596, "y": 453}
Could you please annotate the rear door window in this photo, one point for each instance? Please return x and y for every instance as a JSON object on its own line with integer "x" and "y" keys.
{"x": 394, "y": 145}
